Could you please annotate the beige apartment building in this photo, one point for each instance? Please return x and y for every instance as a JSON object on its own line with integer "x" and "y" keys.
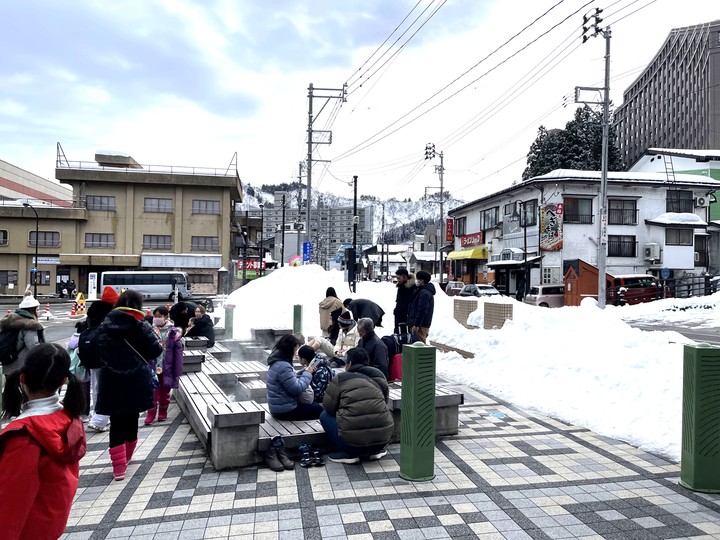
{"x": 124, "y": 216}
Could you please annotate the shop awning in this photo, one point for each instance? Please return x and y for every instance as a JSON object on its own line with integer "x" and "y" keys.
{"x": 512, "y": 263}
{"x": 477, "y": 253}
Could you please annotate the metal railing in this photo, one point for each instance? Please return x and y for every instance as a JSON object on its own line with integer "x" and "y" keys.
{"x": 146, "y": 169}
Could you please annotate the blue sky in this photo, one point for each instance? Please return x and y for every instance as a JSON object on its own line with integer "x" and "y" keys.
{"x": 190, "y": 82}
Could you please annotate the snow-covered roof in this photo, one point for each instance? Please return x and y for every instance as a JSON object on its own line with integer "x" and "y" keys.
{"x": 686, "y": 152}
{"x": 637, "y": 176}
{"x": 425, "y": 256}
{"x": 679, "y": 218}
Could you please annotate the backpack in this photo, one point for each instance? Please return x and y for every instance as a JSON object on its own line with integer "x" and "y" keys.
{"x": 8, "y": 346}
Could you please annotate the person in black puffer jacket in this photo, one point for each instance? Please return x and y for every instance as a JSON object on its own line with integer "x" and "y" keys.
{"x": 202, "y": 325}
{"x": 123, "y": 348}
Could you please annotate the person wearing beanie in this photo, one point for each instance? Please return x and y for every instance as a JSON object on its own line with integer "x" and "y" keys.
{"x": 123, "y": 347}
{"x": 96, "y": 313}
{"x": 330, "y": 303}
{"x": 348, "y": 338}
{"x": 405, "y": 293}
{"x": 29, "y": 332}
{"x": 420, "y": 312}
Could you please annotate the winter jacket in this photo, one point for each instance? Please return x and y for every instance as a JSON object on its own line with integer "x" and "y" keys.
{"x": 421, "y": 309}
{"x": 124, "y": 386}
{"x": 327, "y": 306}
{"x": 284, "y": 386}
{"x": 39, "y": 469}
{"x": 181, "y": 319}
{"x": 203, "y": 327}
{"x": 366, "y": 308}
{"x": 31, "y": 332}
{"x": 358, "y": 399}
{"x": 171, "y": 360}
{"x": 377, "y": 351}
{"x": 347, "y": 339}
{"x": 405, "y": 293}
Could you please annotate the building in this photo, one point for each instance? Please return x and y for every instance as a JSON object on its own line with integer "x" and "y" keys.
{"x": 675, "y": 102}
{"x": 124, "y": 216}
{"x": 17, "y": 183}
{"x": 526, "y": 234}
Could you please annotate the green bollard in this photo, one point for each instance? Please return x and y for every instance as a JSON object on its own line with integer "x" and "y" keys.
{"x": 699, "y": 458}
{"x": 417, "y": 413}
{"x": 297, "y": 319}
{"x": 229, "y": 326}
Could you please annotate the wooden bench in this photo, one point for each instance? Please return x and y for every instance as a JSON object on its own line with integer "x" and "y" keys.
{"x": 220, "y": 351}
{"x": 294, "y": 433}
{"x": 447, "y": 410}
{"x": 228, "y": 430}
{"x": 225, "y": 372}
{"x": 250, "y": 387}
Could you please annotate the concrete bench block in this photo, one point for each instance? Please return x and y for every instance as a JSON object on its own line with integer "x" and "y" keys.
{"x": 235, "y": 447}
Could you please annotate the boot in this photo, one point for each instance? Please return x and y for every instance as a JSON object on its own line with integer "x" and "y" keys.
{"x": 162, "y": 414}
{"x": 129, "y": 450}
{"x": 150, "y": 418}
{"x": 272, "y": 460}
{"x": 287, "y": 463}
{"x": 119, "y": 461}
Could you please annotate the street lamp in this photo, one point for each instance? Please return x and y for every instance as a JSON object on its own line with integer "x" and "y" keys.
{"x": 262, "y": 236}
{"x": 37, "y": 241}
{"x": 521, "y": 220}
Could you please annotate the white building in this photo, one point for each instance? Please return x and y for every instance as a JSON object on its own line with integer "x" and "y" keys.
{"x": 531, "y": 230}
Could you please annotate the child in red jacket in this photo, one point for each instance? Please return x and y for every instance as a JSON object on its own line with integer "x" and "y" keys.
{"x": 40, "y": 450}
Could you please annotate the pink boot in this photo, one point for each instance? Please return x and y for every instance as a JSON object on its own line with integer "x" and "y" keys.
{"x": 150, "y": 418}
{"x": 129, "y": 450}
{"x": 162, "y": 415}
{"x": 119, "y": 461}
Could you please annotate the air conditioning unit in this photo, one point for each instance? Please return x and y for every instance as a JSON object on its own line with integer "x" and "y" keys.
{"x": 652, "y": 252}
{"x": 702, "y": 202}
{"x": 697, "y": 256}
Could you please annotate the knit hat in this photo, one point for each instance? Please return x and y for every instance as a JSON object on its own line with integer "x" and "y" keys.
{"x": 306, "y": 352}
{"x": 345, "y": 318}
{"x": 109, "y": 295}
{"x": 29, "y": 302}
{"x": 423, "y": 275}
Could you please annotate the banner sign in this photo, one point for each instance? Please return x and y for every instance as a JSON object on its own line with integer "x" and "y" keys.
{"x": 551, "y": 227}
{"x": 474, "y": 239}
{"x": 449, "y": 229}
{"x": 251, "y": 264}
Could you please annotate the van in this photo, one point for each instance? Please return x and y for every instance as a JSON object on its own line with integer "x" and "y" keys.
{"x": 453, "y": 288}
{"x": 632, "y": 289}
{"x": 547, "y": 295}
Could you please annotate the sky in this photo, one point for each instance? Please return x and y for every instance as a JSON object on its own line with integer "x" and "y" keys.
{"x": 580, "y": 364}
{"x": 192, "y": 83}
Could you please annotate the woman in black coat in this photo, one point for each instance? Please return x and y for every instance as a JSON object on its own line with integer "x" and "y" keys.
{"x": 201, "y": 325}
{"x": 123, "y": 348}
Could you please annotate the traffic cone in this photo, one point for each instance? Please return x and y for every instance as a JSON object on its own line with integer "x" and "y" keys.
{"x": 149, "y": 313}
{"x": 72, "y": 310}
{"x": 47, "y": 311}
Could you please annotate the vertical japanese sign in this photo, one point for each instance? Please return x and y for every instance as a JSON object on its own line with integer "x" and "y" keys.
{"x": 449, "y": 229}
{"x": 307, "y": 251}
{"x": 551, "y": 227}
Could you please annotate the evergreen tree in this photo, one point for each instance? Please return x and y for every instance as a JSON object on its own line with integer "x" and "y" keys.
{"x": 578, "y": 146}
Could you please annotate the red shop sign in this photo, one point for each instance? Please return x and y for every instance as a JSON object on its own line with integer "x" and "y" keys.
{"x": 474, "y": 239}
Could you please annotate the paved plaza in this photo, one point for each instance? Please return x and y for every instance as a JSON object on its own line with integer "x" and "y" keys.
{"x": 506, "y": 475}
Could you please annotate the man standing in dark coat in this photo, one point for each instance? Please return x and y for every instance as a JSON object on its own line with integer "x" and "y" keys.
{"x": 181, "y": 313}
{"x": 356, "y": 416}
{"x": 422, "y": 305}
{"x": 405, "y": 293}
{"x": 365, "y": 308}
{"x": 373, "y": 345}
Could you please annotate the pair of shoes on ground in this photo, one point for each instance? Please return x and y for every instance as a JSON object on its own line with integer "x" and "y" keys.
{"x": 99, "y": 429}
{"x": 310, "y": 457}
{"x": 276, "y": 457}
{"x": 342, "y": 457}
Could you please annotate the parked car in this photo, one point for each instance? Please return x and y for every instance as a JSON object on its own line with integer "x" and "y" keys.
{"x": 453, "y": 288}
{"x": 546, "y": 295}
{"x": 633, "y": 289}
{"x": 478, "y": 290}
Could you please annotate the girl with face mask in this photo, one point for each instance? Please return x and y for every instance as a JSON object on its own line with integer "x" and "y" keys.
{"x": 168, "y": 365}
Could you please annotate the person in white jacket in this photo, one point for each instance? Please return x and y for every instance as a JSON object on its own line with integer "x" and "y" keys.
{"x": 347, "y": 339}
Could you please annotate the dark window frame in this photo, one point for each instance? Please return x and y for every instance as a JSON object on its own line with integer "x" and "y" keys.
{"x": 578, "y": 215}
{"x": 99, "y": 240}
{"x": 4, "y": 237}
{"x": 152, "y": 241}
{"x": 45, "y": 239}
{"x": 204, "y": 243}
{"x": 679, "y": 237}
{"x": 625, "y": 213}
{"x": 679, "y": 201}
{"x": 206, "y": 206}
{"x": 622, "y": 245}
{"x": 158, "y": 205}
{"x": 105, "y": 203}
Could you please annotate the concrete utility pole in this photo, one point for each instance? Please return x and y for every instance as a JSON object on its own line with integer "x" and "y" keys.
{"x": 430, "y": 153}
{"x": 356, "y": 219}
{"x": 594, "y": 27}
{"x": 326, "y": 140}
{"x": 282, "y": 238}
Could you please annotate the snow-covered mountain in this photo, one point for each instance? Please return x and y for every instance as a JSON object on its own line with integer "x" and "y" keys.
{"x": 396, "y": 212}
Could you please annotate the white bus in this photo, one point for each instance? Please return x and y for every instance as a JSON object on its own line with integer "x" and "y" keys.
{"x": 152, "y": 285}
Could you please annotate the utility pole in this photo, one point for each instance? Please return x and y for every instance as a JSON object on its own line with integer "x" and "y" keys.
{"x": 430, "y": 153}
{"x": 594, "y": 28}
{"x": 356, "y": 219}
{"x": 325, "y": 136}
{"x": 382, "y": 244}
{"x": 282, "y": 238}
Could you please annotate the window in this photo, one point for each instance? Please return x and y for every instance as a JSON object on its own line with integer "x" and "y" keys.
{"x": 679, "y": 200}
{"x": 578, "y": 210}
{"x": 163, "y": 206}
{"x": 460, "y": 226}
{"x": 204, "y": 243}
{"x": 3, "y": 237}
{"x": 201, "y": 278}
{"x": 529, "y": 211}
{"x": 622, "y": 212}
{"x": 205, "y": 207}
{"x": 99, "y": 240}
{"x": 157, "y": 241}
{"x": 8, "y": 277}
{"x": 621, "y": 246}
{"x": 489, "y": 218}
{"x": 45, "y": 239}
{"x": 100, "y": 202}
{"x": 551, "y": 274}
{"x": 678, "y": 237}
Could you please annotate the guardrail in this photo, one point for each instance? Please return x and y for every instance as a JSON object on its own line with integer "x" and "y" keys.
{"x": 147, "y": 169}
